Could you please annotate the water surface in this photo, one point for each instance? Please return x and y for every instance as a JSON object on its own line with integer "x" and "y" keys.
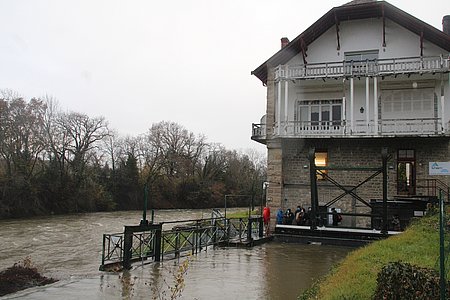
{"x": 69, "y": 248}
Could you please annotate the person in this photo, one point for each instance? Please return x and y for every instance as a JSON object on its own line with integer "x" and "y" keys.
{"x": 280, "y": 216}
{"x": 289, "y": 217}
{"x": 307, "y": 217}
{"x": 266, "y": 219}
{"x": 335, "y": 217}
{"x": 299, "y": 214}
{"x": 396, "y": 223}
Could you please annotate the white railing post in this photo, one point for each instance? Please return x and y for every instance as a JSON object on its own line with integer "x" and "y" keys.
{"x": 375, "y": 103}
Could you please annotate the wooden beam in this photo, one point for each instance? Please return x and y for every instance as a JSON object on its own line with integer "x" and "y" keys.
{"x": 304, "y": 48}
{"x": 336, "y": 21}
{"x": 421, "y": 42}
{"x": 384, "y": 25}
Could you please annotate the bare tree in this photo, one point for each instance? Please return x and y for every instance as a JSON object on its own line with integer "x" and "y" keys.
{"x": 84, "y": 133}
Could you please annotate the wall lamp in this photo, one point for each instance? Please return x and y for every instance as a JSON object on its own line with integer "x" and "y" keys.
{"x": 361, "y": 110}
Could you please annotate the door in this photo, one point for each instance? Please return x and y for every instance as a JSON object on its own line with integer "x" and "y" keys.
{"x": 406, "y": 172}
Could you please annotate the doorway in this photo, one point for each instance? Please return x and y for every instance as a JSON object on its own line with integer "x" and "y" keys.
{"x": 406, "y": 172}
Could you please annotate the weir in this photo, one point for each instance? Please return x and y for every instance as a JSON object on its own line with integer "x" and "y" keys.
{"x": 170, "y": 240}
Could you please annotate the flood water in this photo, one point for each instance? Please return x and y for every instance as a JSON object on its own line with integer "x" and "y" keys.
{"x": 68, "y": 248}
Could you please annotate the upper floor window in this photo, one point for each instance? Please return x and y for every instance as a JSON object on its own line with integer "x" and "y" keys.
{"x": 361, "y": 56}
{"x": 360, "y": 63}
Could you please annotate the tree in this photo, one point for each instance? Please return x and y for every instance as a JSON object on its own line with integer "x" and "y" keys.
{"x": 21, "y": 143}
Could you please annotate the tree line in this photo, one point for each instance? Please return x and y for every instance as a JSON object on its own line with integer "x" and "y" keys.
{"x": 55, "y": 162}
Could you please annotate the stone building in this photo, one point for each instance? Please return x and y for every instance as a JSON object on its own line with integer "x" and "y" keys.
{"x": 365, "y": 76}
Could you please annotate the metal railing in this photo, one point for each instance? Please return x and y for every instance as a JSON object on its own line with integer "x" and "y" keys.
{"x": 377, "y": 67}
{"x": 112, "y": 248}
{"x": 431, "y": 187}
{"x": 183, "y": 237}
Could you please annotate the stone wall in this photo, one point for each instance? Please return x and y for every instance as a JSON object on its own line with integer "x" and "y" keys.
{"x": 347, "y": 153}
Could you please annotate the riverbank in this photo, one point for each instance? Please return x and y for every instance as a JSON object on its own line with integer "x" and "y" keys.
{"x": 356, "y": 276}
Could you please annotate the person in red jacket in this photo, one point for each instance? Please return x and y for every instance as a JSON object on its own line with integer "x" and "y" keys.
{"x": 266, "y": 219}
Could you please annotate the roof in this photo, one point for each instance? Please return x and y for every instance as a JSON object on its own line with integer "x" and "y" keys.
{"x": 353, "y": 10}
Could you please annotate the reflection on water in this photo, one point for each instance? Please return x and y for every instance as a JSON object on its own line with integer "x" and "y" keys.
{"x": 69, "y": 248}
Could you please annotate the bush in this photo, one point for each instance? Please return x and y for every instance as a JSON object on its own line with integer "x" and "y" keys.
{"x": 399, "y": 280}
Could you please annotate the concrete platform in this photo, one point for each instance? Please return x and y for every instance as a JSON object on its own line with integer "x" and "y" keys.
{"x": 329, "y": 235}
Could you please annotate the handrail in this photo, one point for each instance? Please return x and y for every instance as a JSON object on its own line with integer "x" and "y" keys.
{"x": 387, "y": 127}
{"x": 433, "y": 185}
{"x": 376, "y": 67}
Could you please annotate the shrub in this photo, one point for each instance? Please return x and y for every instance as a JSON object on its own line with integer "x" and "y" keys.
{"x": 398, "y": 280}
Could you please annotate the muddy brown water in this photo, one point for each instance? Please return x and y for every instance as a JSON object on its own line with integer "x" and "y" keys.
{"x": 69, "y": 248}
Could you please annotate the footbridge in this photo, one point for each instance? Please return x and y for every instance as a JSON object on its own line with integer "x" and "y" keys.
{"x": 150, "y": 242}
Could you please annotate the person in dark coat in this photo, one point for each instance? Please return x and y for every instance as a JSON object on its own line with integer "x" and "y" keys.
{"x": 289, "y": 217}
{"x": 335, "y": 217}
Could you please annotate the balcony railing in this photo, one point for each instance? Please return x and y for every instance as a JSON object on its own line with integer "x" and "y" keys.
{"x": 378, "y": 67}
{"x": 384, "y": 127}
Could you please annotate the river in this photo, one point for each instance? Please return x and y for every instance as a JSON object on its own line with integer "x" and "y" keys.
{"x": 68, "y": 248}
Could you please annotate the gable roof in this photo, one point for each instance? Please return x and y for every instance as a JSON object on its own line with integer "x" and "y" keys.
{"x": 354, "y": 10}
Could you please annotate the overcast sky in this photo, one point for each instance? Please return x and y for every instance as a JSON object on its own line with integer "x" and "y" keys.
{"x": 139, "y": 62}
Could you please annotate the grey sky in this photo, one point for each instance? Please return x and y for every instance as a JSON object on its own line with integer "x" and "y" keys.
{"x": 139, "y": 62}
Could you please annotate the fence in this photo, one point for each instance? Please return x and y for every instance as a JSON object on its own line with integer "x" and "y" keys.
{"x": 144, "y": 242}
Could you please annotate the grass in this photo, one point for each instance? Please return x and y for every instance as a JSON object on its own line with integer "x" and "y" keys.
{"x": 355, "y": 277}
{"x": 242, "y": 214}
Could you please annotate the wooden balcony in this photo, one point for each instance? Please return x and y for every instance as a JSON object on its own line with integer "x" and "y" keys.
{"x": 425, "y": 127}
{"x": 379, "y": 67}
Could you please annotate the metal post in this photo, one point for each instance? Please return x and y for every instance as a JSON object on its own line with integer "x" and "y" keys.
{"x": 177, "y": 244}
{"x": 103, "y": 250}
{"x": 225, "y": 214}
{"x": 441, "y": 246}
{"x": 261, "y": 227}
{"x": 249, "y": 229}
{"x": 127, "y": 244}
{"x": 240, "y": 229}
{"x": 214, "y": 237}
{"x": 157, "y": 245}
{"x": 144, "y": 211}
{"x": 313, "y": 180}
{"x": 384, "y": 157}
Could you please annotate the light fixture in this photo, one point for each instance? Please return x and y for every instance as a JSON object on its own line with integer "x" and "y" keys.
{"x": 361, "y": 110}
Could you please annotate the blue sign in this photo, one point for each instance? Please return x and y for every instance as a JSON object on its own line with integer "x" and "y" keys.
{"x": 439, "y": 168}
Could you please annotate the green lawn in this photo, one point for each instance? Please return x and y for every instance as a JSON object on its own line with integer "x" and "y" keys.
{"x": 355, "y": 277}
{"x": 242, "y": 214}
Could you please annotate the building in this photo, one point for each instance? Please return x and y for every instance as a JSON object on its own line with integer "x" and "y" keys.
{"x": 364, "y": 77}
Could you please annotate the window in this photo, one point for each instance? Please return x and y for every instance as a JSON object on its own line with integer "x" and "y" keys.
{"x": 362, "y": 56}
{"x": 321, "y": 160}
{"x": 319, "y": 112}
{"x": 407, "y": 103}
{"x": 360, "y": 63}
